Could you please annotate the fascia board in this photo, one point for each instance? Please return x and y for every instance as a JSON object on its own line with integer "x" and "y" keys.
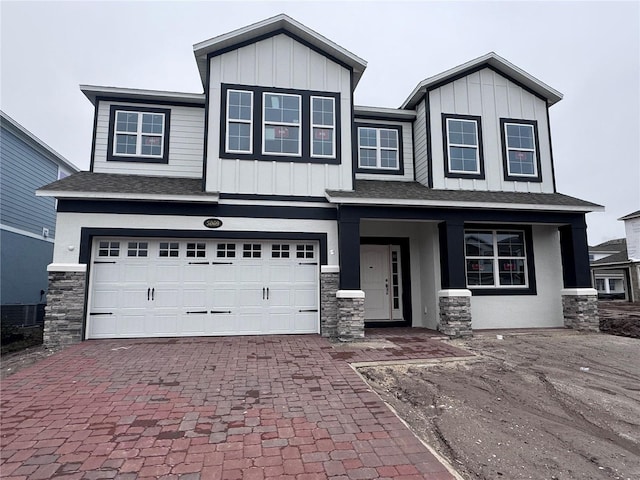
{"x": 469, "y": 205}
{"x": 211, "y": 198}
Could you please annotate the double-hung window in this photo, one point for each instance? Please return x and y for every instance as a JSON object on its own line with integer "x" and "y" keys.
{"x": 496, "y": 258}
{"x": 323, "y": 126}
{"x": 520, "y": 150}
{"x": 138, "y": 134}
{"x": 281, "y": 124}
{"x": 462, "y": 137}
{"x": 239, "y": 121}
{"x": 378, "y": 148}
{"x": 261, "y": 123}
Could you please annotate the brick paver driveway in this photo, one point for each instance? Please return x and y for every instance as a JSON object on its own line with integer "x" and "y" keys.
{"x": 287, "y": 407}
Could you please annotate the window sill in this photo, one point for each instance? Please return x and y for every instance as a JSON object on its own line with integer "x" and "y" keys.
{"x": 499, "y": 291}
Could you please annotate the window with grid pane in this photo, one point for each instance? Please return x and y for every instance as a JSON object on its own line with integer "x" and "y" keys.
{"x": 281, "y": 124}
{"x": 520, "y": 149}
{"x": 495, "y": 258}
{"x": 139, "y": 134}
{"x": 239, "y": 121}
{"x": 462, "y": 144}
{"x": 378, "y": 148}
{"x": 323, "y": 123}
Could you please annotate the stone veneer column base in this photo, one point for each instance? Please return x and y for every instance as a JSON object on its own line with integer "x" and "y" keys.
{"x": 350, "y": 315}
{"x": 455, "y": 312}
{"x": 580, "y": 308}
{"x": 329, "y": 280}
{"x": 64, "y": 313}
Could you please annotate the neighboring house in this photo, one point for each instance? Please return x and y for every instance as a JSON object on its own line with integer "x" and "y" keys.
{"x": 271, "y": 204}
{"x": 615, "y": 265}
{"x": 27, "y": 222}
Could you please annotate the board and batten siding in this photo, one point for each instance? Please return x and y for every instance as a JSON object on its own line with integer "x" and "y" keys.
{"x": 491, "y": 96}
{"x": 277, "y": 62}
{"x": 24, "y": 169}
{"x": 407, "y": 152}
{"x": 186, "y": 141}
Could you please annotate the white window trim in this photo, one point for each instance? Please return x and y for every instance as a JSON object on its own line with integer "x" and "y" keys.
{"x": 248, "y": 122}
{"x": 378, "y": 149}
{"x": 533, "y": 150}
{"x": 324, "y": 127}
{"x": 139, "y": 134}
{"x": 284, "y": 124}
{"x": 461, "y": 145}
{"x": 496, "y": 261}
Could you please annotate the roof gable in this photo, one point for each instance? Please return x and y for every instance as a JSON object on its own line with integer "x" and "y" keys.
{"x": 490, "y": 60}
{"x": 280, "y": 24}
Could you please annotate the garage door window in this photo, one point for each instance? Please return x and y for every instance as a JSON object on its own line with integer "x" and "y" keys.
{"x": 279, "y": 251}
{"x": 109, "y": 249}
{"x": 196, "y": 250}
{"x": 304, "y": 251}
{"x": 137, "y": 249}
{"x": 226, "y": 250}
{"x": 251, "y": 250}
{"x": 169, "y": 249}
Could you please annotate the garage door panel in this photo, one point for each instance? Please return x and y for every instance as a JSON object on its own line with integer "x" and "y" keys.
{"x": 305, "y": 273}
{"x": 226, "y": 292}
{"x": 305, "y": 322}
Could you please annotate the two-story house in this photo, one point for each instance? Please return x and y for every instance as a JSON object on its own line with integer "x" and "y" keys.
{"x": 271, "y": 204}
{"x": 27, "y": 223}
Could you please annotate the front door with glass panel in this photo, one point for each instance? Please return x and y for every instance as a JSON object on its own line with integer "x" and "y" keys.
{"x": 381, "y": 280}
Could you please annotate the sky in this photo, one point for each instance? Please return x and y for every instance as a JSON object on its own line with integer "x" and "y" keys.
{"x": 589, "y": 51}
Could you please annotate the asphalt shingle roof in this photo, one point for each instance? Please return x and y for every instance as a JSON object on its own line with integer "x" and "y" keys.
{"x": 127, "y": 184}
{"x": 615, "y": 245}
{"x": 381, "y": 190}
{"x": 619, "y": 257}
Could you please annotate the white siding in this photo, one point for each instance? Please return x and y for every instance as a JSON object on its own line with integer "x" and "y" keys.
{"x": 407, "y": 152}
{"x": 491, "y": 96}
{"x": 420, "y": 139}
{"x": 186, "y": 140}
{"x": 527, "y": 311}
{"x": 69, "y": 227}
{"x": 278, "y": 62}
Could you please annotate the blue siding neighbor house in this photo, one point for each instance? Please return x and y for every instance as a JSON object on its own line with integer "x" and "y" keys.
{"x": 27, "y": 222}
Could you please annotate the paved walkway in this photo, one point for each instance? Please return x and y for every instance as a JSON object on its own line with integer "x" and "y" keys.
{"x": 287, "y": 407}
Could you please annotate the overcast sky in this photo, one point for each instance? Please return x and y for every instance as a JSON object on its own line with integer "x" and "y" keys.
{"x": 589, "y": 51}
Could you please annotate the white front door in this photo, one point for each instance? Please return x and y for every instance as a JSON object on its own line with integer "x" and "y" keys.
{"x": 176, "y": 287}
{"x": 381, "y": 280}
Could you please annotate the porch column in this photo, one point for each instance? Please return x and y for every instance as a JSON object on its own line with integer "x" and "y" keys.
{"x": 454, "y": 299}
{"x": 350, "y": 325}
{"x": 579, "y": 298}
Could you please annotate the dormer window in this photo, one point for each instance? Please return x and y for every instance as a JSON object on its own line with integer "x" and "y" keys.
{"x": 520, "y": 149}
{"x": 378, "y": 148}
{"x": 272, "y": 124}
{"x": 138, "y": 134}
{"x": 462, "y": 138}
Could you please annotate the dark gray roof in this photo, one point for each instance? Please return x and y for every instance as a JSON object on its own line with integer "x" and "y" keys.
{"x": 615, "y": 245}
{"x": 385, "y": 190}
{"x": 126, "y": 184}
{"x": 631, "y": 215}
{"x": 618, "y": 257}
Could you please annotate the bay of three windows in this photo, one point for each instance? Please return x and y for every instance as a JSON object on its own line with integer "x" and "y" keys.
{"x": 277, "y": 123}
{"x": 462, "y": 136}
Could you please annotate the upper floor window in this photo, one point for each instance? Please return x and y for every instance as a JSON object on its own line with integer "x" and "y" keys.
{"x": 323, "y": 126}
{"x": 462, "y": 135}
{"x": 378, "y": 148}
{"x": 138, "y": 134}
{"x": 280, "y": 125}
{"x": 239, "y": 121}
{"x": 520, "y": 149}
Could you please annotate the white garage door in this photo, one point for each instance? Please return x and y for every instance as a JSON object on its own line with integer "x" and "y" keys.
{"x": 176, "y": 287}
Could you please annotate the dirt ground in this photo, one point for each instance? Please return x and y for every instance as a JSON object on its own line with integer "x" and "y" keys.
{"x": 620, "y": 318}
{"x": 550, "y": 405}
